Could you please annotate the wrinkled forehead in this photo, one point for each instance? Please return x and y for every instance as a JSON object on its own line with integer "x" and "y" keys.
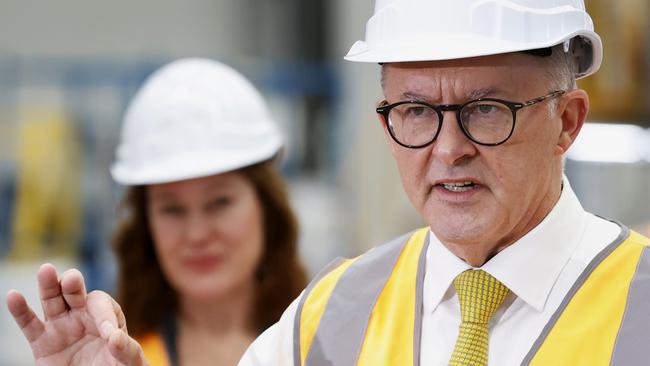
{"x": 510, "y": 74}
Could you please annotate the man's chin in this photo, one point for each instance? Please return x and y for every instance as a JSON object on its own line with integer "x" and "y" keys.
{"x": 459, "y": 232}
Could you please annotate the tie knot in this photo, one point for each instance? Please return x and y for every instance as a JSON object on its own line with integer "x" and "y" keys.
{"x": 479, "y": 294}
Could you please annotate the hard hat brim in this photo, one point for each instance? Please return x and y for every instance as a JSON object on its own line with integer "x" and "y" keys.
{"x": 457, "y": 46}
{"x": 182, "y": 167}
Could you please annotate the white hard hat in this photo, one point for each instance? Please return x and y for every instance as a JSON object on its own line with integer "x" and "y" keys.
{"x": 427, "y": 30}
{"x": 193, "y": 118}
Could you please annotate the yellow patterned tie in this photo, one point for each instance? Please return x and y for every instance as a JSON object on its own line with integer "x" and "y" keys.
{"x": 480, "y": 295}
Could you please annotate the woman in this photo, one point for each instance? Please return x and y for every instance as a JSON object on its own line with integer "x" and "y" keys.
{"x": 207, "y": 253}
{"x": 206, "y": 247}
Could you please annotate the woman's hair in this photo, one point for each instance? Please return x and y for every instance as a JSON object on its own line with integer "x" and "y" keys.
{"x": 146, "y": 296}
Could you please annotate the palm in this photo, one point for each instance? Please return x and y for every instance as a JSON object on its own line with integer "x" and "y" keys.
{"x": 70, "y": 333}
{"x": 71, "y": 339}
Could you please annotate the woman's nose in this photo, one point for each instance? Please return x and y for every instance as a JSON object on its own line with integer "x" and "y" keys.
{"x": 198, "y": 227}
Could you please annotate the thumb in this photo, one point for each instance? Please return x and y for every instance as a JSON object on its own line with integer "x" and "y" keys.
{"x": 106, "y": 313}
{"x": 111, "y": 324}
{"x": 125, "y": 349}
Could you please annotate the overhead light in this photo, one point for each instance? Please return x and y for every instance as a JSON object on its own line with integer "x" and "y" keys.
{"x": 611, "y": 143}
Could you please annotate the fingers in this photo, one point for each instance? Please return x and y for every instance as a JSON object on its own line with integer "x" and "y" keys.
{"x": 125, "y": 349}
{"x": 73, "y": 289}
{"x": 121, "y": 319}
{"x": 56, "y": 298}
{"x": 31, "y": 326}
{"x": 106, "y": 313}
{"x": 49, "y": 291}
{"x": 109, "y": 319}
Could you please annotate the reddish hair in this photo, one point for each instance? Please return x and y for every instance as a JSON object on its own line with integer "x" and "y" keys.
{"x": 147, "y": 297}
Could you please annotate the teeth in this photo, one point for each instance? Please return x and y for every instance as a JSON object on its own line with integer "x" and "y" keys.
{"x": 460, "y": 184}
{"x": 458, "y": 187}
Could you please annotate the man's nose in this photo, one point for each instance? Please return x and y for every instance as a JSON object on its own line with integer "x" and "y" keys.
{"x": 452, "y": 146}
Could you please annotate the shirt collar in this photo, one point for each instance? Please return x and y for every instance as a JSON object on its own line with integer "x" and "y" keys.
{"x": 529, "y": 267}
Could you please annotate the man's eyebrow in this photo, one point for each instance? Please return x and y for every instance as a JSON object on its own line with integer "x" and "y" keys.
{"x": 471, "y": 95}
{"x": 482, "y": 93}
{"x": 415, "y": 96}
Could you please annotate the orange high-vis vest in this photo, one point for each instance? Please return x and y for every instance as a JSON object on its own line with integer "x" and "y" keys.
{"x": 154, "y": 349}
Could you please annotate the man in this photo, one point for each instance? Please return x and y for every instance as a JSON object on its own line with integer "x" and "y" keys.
{"x": 480, "y": 106}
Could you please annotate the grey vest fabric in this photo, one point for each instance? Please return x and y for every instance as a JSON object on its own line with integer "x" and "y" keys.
{"x": 632, "y": 345}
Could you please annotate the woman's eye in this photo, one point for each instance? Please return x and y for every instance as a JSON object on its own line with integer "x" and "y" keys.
{"x": 172, "y": 210}
{"x": 219, "y": 202}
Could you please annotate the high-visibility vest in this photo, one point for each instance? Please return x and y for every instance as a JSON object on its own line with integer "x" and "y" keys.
{"x": 154, "y": 349}
{"x": 368, "y": 310}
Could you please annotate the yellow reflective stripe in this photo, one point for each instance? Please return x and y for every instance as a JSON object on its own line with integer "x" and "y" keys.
{"x": 586, "y": 330}
{"x": 639, "y": 239}
{"x": 154, "y": 349}
{"x": 314, "y": 306}
{"x": 389, "y": 337}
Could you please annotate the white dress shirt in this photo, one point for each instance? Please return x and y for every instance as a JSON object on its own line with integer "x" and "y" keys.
{"x": 539, "y": 269}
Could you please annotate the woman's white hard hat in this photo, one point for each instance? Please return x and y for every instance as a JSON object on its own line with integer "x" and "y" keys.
{"x": 428, "y": 30}
{"x": 193, "y": 118}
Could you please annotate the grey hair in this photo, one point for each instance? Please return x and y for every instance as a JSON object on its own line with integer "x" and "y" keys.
{"x": 561, "y": 69}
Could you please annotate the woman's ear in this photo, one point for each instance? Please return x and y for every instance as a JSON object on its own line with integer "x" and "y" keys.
{"x": 572, "y": 109}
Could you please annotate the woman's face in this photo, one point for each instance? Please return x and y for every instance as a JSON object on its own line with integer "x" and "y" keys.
{"x": 208, "y": 234}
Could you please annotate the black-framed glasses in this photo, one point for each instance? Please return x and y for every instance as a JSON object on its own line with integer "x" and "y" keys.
{"x": 485, "y": 121}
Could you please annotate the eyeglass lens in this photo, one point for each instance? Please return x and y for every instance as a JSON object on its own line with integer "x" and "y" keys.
{"x": 487, "y": 122}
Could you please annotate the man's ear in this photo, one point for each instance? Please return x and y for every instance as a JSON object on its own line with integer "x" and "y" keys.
{"x": 572, "y": 108}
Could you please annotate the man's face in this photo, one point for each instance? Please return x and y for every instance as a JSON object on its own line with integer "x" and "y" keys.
{"x": 513, "y": 185}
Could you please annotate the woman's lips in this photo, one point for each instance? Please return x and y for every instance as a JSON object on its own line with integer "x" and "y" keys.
{"x": 203, "y": 263}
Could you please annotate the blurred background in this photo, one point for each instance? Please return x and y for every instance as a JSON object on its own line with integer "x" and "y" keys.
{"x": 68, "y": 68}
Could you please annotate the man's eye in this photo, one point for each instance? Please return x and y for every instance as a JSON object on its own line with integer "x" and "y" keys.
{"x": 418, "y": 111}
{"x": 486, "y": 108}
